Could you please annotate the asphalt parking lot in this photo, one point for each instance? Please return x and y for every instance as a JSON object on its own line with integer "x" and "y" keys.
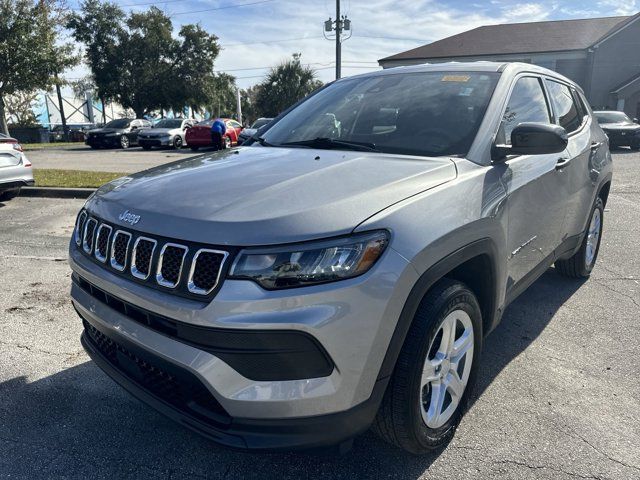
{"x": 82, "y": 157}
{"x": 558, "y": 394}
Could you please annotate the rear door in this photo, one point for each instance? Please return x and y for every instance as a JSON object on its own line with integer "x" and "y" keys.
{"x": 571, "y": 114}
{"x": 535, "y": 191}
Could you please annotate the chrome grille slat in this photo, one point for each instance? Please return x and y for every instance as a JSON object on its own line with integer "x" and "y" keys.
{"x": 79, "y": 231}
{"x": 168, "y": 273}
{"x": 118, "y": 257}
{"x": 102, "y": 242}
{"x": 89, "y": 235}
{"x": 141, "y": 260}
{"x": 205, "y": 271}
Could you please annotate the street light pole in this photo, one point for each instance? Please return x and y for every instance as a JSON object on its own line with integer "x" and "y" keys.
{"x": 338, "y": 42}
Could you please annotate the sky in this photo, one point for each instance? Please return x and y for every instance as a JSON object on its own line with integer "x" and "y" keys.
{"x": 257, "y": 34}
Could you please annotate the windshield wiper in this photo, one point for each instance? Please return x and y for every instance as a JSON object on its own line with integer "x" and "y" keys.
{"x": 262, "y": 142}
{"x": 328, "y": 143}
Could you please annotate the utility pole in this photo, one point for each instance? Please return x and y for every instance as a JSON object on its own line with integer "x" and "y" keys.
{"x": 340, "y": 24}
{"x": 239, "y": 106}
{"x": 338, "y": 43}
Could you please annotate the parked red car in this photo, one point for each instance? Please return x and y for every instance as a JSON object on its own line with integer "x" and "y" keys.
{"x": 200, "y": 134}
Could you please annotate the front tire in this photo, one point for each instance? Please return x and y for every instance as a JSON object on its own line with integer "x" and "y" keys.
{"x": 435, "y": 373}
{"x": 227, "y": 142}
{"x": 124, "y": 142}
{"x": 582, "y": 262}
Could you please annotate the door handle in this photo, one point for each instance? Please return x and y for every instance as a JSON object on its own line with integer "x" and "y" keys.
{"x": 596, "y": 145}
{"x": 562, "y": 162}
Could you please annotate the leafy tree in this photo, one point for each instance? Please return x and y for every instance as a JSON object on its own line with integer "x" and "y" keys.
{"x": 285, "y": 85}
{"x": 248, "y": 102}
{"x": 19, "y": 108}
{"x": 222, "y": 96}
{"x": 137, "y": 61}
{"x": 30, "y": 54}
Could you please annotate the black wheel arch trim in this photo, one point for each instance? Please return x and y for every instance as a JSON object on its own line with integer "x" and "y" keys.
{"x": 439, "y": 270}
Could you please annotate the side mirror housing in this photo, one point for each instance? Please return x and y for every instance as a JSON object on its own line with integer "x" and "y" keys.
{"x": 532, "y": 139}
{"x": 635, "y": 120}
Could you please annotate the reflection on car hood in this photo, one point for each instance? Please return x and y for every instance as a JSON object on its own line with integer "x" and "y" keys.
{"x": 159, "y": 131}
{"x": 620, "y": 126}
{"x": 261, "y": 196}
{"x": 107, "y": 130}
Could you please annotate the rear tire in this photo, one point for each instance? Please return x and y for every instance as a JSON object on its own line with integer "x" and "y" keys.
{"x": 582, "y": 262}
{"x": 177, "y": 142}
{"x": 9, "y": 194}
{"x": 227, "y": 142}
{"x": 425, "y": 376}
{"x": 124, "y": 142}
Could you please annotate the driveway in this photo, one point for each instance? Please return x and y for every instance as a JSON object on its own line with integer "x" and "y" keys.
{"x": 558, "y": 394}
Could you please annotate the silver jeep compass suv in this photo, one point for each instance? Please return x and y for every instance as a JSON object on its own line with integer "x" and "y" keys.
{"x": 342, "y": 270}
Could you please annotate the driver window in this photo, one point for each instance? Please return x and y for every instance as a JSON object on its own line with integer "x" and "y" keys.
{"x": 526, "y": 104}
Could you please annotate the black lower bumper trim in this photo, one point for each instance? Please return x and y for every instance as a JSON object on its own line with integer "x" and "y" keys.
{"x": 255, "y": 434}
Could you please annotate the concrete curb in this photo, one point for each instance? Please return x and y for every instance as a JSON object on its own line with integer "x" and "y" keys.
{"x": 54, "y": 192}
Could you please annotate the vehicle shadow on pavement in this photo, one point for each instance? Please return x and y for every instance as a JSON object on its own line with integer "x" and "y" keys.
{"x": 79, "y": 424}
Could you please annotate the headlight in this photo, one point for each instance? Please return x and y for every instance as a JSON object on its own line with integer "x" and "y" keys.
{"x": 311, "y": 263}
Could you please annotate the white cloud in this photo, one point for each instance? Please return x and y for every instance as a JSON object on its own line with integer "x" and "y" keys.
{"x": 617, "y": 7}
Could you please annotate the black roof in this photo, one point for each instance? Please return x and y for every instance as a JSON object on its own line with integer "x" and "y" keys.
{"x": 516, "y": 38}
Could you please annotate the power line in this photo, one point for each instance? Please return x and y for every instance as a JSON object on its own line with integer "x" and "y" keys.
{"x": 270, "y": 41}
{"x": 221, "y": 8}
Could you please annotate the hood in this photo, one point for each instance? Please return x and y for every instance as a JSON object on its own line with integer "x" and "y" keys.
{"x": 620, "y": 126}
{"x": 159, "y": 131}
{"x": 263, "y": 196}
{"x": 107, "y": 130}
{"x": 247, "y": 132}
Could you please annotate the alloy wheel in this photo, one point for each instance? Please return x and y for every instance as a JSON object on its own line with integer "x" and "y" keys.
{"x": 446, "y": 369}
{"x": 593, "y": 237}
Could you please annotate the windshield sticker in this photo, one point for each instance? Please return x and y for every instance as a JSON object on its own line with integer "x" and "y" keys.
{"x": 465, "y": 92}
{"x": 456, "y": 78}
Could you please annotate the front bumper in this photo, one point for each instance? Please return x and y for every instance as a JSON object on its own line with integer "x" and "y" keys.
{"x": 353, "y": 320}
{"x": 104, "y": 141}
{"x": 155, "y": 142}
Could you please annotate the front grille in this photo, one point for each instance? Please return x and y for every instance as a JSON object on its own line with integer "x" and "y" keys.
{"x": 142, "y": 256}
{"x": 102, "y": 242}
{"x": 205, "y": 271}
{"x": 170, "y": 264}
{"x": 188, "y": 269}
{"x": 169, "y": 383}
{"x": 89, "y": 233}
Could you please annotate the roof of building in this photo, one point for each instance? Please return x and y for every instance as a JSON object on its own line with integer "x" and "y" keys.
{"x": 516, "y": 38}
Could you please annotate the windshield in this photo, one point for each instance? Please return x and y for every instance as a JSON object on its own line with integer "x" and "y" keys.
{"x": 423, "y": 113}
{"x": 120, "y": 123}
{"x": 261, "y": 122}
{"x": 206, "y": 123}
{"x": 169, "y": 123}
{"x": 612, "y": 117}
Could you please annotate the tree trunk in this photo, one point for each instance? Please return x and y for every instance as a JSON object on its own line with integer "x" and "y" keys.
{"x": 139, "y": 112}
{"x": 65, "y": 130}
{"x": 104, "y": 111}
{"x": 3, "y": 119}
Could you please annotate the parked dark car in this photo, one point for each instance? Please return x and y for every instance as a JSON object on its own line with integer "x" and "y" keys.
{"x": 247, "y": 133}
{"x": 621, "y": 130}
{"x": 122, "y": 133}
{"x": 77, "y": 132}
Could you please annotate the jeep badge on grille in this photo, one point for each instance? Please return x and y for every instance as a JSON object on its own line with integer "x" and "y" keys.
{"x": 129, "y": 217}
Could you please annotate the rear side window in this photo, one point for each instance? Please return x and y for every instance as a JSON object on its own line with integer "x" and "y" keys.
{"x": 568, "y": 115}
{"x": 526, "y": 104}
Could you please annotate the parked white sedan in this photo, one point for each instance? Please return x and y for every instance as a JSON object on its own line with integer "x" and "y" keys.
{"x": 15, "y": 168}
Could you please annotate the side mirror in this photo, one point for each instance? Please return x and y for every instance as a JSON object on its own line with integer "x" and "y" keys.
{"x": 533, "y": 139}
{"x": 635, "y": 120}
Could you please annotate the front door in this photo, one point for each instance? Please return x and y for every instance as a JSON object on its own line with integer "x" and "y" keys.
{"x": 535, "y": 191}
